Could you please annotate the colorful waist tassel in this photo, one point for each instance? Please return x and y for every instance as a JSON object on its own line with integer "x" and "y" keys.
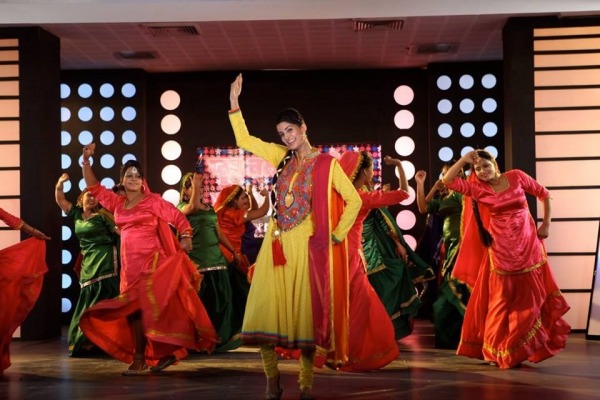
{"x": 278, "y": 256}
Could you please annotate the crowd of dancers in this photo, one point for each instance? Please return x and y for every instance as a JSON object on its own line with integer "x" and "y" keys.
{"x": 333, "y": 284}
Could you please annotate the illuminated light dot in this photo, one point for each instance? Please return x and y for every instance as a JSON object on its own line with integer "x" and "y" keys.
{"x": 82, "y": 184}
{"x": 66, "y": 281}
{"x": 404, "y": 146}
{"x": 107, "y": 114}
{"x": 411, "y": 197}
{"x": 171, "y": 174}
{"x": 65, "y": 138}
{"x": 406, "y": 219}
{"x": 85, "y": 114}
{"x": 128, "y": 90}
{"x": 66, "y": 257}
{"x": 65, "y": 91}
{"x": 129, "y": 137}
{"x": 466, "y": 82}
{"x": 107, "y": 90}
{"x": 404, "y": 95}
{"x": 444, "y": 82}
{"x": 107, "y": 161}
{"x": 492, "y": 150}
{"x": 411, "y": 241}
{"x": 172, "y": 196}
{"x": 128, "y": 114}
{"x": 65, "y": 161}
{"x": 84, "y": 90}
{"x": 85, "y": 137}
{"x": 467, "y": 129}
{"x": 465, "y": 150}
{"x": 66, "y": 305}
{"x": 107, "y": 138}
{"x": 170, "y": 100}
{"x": 67, "y": 186}
{"x": 66, "y": 233}
{"x": 404, "y": 119}
{"x": 409, "y": 169}
{"x": 128, "y": 157}
{"x": 445, "y": 154}
{"x": 489, "y": 105}
{"x": 490, "y": 129}
{"x": 444, "y": 106}
{"x": 445, "y": 130}
{"x": 467, "y": 106}
{"x": 107, "y": 183}
{"x": 170, "y": 124}
{"x": 171, "y": 150}
{"x": 65, "y": 114}
{"x": 488, "y": 81}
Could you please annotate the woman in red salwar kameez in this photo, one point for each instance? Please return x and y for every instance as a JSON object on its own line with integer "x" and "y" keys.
{"x": 158, "y": 314}
{"x": 515, "y": 310}
{"x": 22, "y": 269}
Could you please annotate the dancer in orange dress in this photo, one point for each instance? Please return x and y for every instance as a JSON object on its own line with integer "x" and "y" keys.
{"x": 22, "y": 269}
{"x": 515, "y": 310}
{"x": 158, "y": 313}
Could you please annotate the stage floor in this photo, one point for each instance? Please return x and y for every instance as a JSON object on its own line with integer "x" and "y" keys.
{"x": 42, "y": 370}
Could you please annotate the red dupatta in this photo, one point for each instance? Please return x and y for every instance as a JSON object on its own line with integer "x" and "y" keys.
{"x": 328, "y": 265}
{"x": 472, "y": 251}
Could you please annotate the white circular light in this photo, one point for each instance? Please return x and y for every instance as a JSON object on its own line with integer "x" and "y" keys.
{"x": 67, "y": 281}
{"x": 82, "y": 184}
{"x": 466, "y": 150}
{"x": 406, "y": 219}
{"x": 444, "y": 106}
{"x": 404, "y": 146}
{"x": 129, "y": 137}
{"x": 172, "y": 196}
{"x": 107, "y": 161}
{"x": 492, "y": 150}
{"x": 85, "y": 138}
{"x": 409, "y": 169}
{"x": 66, "y": 305}
{"x": 65, "y": 161}
{"x": 411, "y": 197}
{"x": 67, "y": 186}
{"x": 85, "y": 114}
{"x": 489, "y": 105}
{"x": 127, "y": 157}
{"x": 65, "y": 114}
{"x": 171, "y": 174}
{"x": 65, "y": 91}
{"x": 107, "y": 138}
{"x": 170, "y": 124}
{"x": 444, "y": 82}
{"x": 411, "y": 241}
{"x": 66, "y": 257}
{"x": 490, "y": 129}
{"x": 467, "y": 129}
{"x": 445, "y": 154}
{"x": 404, "y": 119}
{"x": 488, "y": 81}
{"x": 171, "y": 150}
{"x": 467, "y": 106}
{"x": 128, "y": 114}
{"x": 445, "y": 130}
{"x": 107, "y": 183}
{"x": 107, "y": 90}
{"x": 65, "y": 138}
{"x": 107, "y": 114}
{"x": 84, "y": 90}
{"x": 404, "y": 95}
{"x": 66, "y": 233}
{"x": 466, "y": 82}
{"x": 170, "y": 100}
{"x": 128, "y": 90}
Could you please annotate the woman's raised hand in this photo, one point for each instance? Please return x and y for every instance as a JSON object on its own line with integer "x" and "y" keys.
{"x": 88, "y": 151}
{"x": 420, "y": 176}
{"x": 235, "y": 91}
{"x": 62, "y": 179}
{"x": 470, "y": 157}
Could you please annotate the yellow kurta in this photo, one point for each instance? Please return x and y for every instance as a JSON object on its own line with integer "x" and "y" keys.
{"x": 279, "y": 307}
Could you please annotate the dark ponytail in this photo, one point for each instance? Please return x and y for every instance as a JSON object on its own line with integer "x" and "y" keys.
{"x": 484, "y": 235}
{"x": 278, "y": 170}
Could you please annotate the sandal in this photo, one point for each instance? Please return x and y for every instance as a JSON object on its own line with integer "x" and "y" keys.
{"x": 137, "y": 359}
{"x": 164, "y": 363}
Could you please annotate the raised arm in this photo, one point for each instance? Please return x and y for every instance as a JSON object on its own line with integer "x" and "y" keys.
{"x": 454, "y": 170}
{"x": 402, "y": 182}
{"x": 196, "y": 197}
{"x": 86, "y": 167}
{"x": 261, "y": 211}
{"x": 59, "y": 194}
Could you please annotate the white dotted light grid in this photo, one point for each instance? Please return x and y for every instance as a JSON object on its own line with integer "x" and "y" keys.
{"x": 105, "y": 113}
{"x": 404, "y": 146}
{"x": 171, "y": 149}
{"x": 465, "y": 112}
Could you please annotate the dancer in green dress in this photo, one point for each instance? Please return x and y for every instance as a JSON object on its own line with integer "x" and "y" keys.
{"x": 453, "y": 295}
{"x": 216, "y": 291}
{"x": 99, "y": 275}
